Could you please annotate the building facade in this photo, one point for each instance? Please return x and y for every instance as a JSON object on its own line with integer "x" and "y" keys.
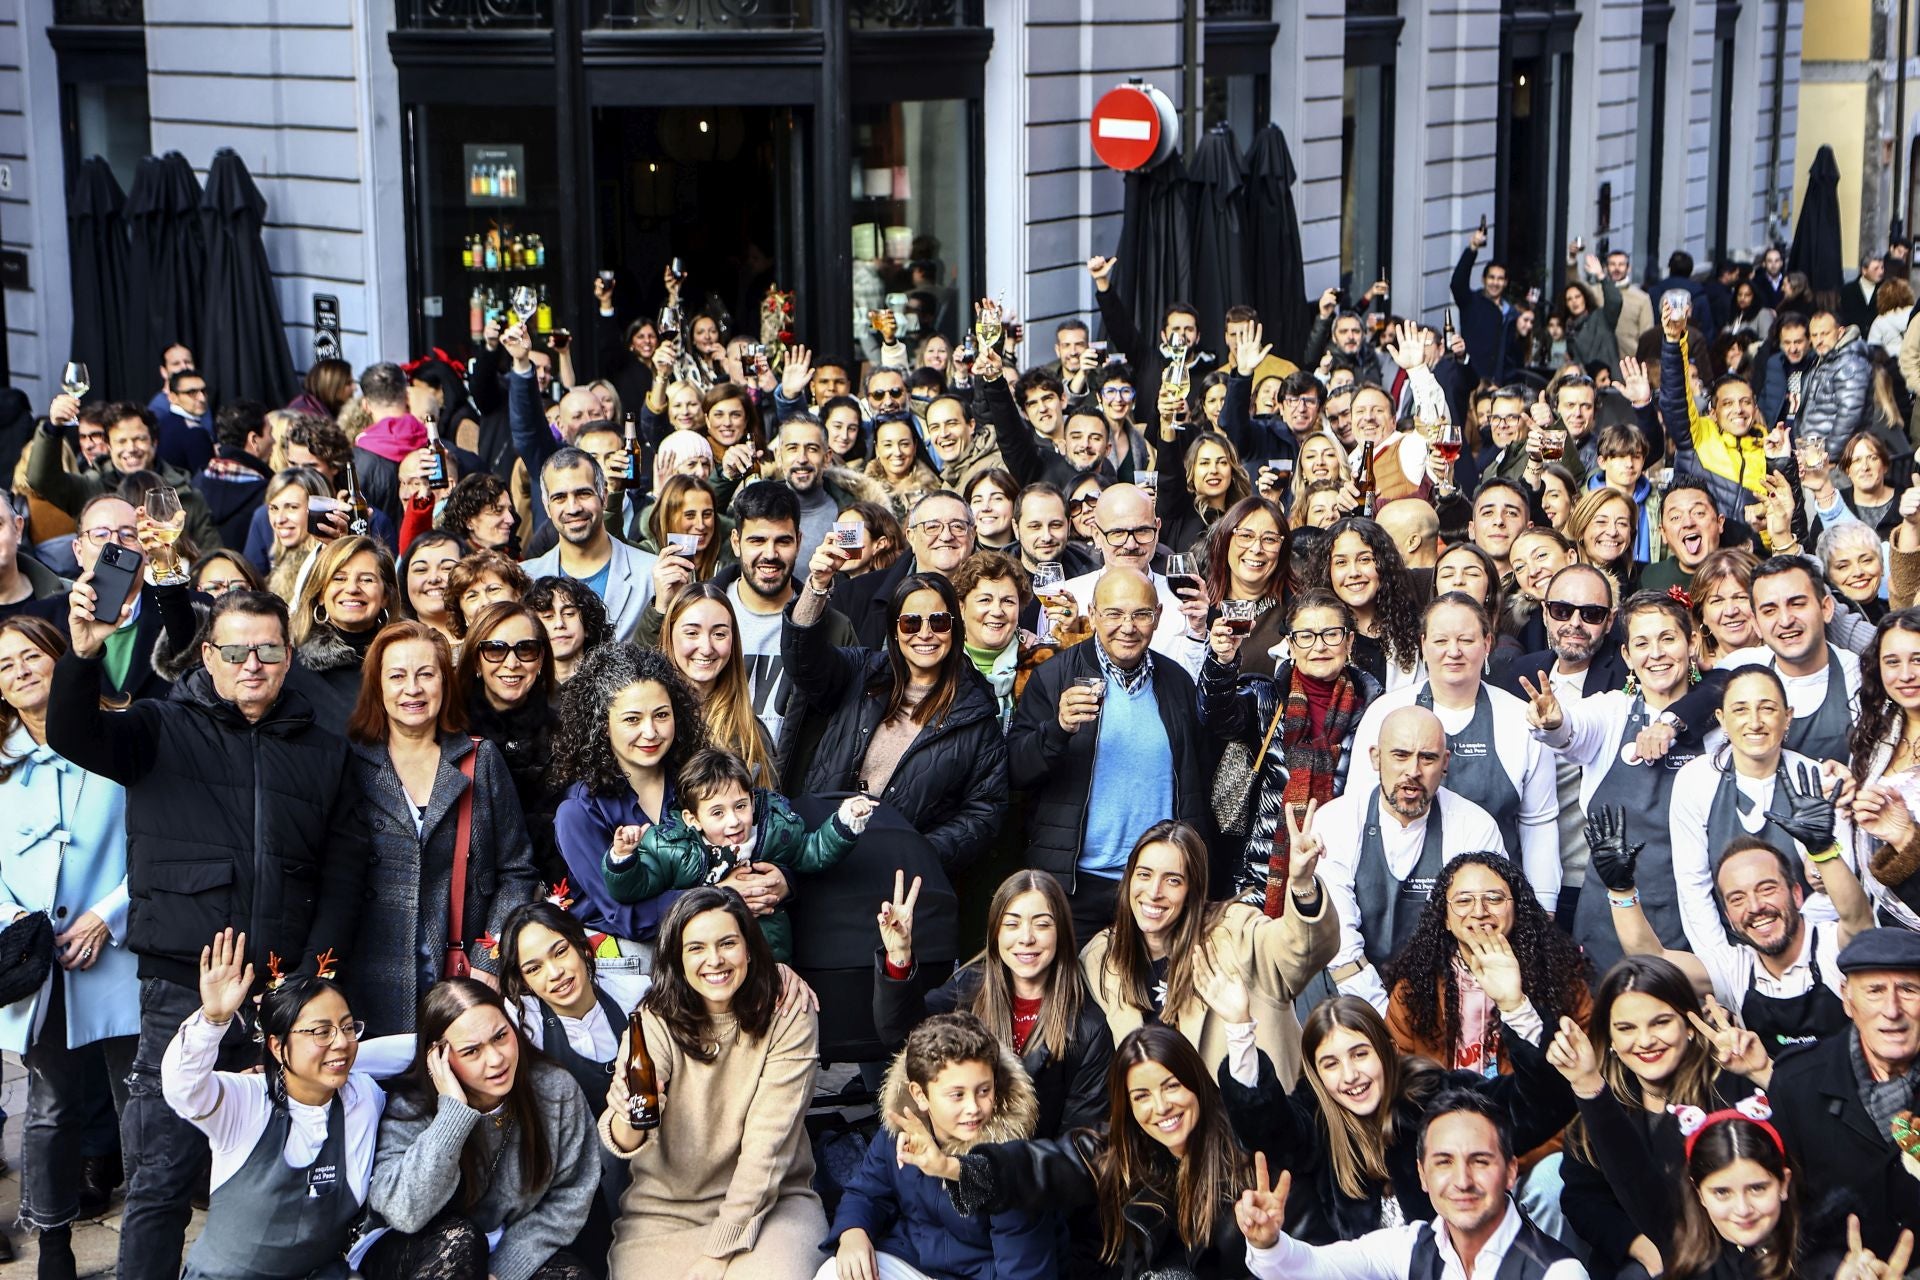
{"x": 421, "y": 157}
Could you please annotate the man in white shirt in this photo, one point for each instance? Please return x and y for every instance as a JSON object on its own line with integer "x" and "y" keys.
{"x": 1468, "y": 1168}
{"x": 1791, "y": 607}
{"x": 1128, "y": 533}
{"x": 1384, "y": 847}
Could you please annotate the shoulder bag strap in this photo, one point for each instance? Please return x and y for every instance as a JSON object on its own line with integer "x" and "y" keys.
{"x": 462, "y": 840}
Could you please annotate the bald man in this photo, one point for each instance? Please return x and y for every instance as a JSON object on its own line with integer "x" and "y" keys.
{"x": 1107, "y": 739}
{"x": 1127, "y": 536}
{"x": 1415, "y": 530}
{"x": 1386, "y": 843}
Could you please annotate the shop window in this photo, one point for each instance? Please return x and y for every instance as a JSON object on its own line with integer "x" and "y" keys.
{"x": 1366, "y": 174}
{"x": 913, "y": 212}
{"x": 109, "y": 120}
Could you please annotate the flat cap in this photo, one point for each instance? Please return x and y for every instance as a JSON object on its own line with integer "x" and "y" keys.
{"x": 1881, "y": 949}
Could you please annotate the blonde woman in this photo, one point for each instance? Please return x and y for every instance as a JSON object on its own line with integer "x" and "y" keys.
{"x": 286, "y": 503}
{"x": 700, "y": 636}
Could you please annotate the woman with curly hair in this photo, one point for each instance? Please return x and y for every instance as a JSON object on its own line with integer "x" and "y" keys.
{"x": 480, "y": 513}
{"x": 575, "y": 619}
{"x": 627, "y": 724}
{"x": 1365, "y": 570}
{"x": 1486, "y": 962}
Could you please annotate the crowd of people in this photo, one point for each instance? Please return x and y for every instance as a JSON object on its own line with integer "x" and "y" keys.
{"x": 1441, "y": 802}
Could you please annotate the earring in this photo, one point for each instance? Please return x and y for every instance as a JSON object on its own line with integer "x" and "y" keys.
{"x": 1693, "y": 674}
{"x": 320, "y": 614}
{"x": 1633, "y": 685}
{"x": 381, "y": 621}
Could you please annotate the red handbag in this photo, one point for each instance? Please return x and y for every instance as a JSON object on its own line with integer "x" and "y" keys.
{"x": 457, "y": 965}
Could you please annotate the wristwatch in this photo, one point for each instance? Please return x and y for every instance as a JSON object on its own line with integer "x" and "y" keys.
{"x": 1672, "y": 721}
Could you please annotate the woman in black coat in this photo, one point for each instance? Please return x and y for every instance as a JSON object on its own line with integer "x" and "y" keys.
{"x": 349, "y": 593}
{"x": 506, "y": 683}
{"x": 913, "y": 725}
{"x": 416, "y": 768}
{"x": 1026, "y": 987}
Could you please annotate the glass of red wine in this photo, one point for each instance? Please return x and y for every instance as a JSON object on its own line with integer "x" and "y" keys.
{"x": 1447, "y": 443}
{"x": 1184, "y": 577}
{"x": 1239, "y": 615}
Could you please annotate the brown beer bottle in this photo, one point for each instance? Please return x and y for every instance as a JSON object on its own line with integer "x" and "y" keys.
{"x": 643, "y": 1102}
{"x": 1364, "y": 483}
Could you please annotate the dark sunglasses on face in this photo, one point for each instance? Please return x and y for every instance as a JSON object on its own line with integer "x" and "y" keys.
{"x": 939, "y": 623}
{"x": 1591, "y": 614}
{"x": 234, "y": 655}
{"x": 1080, "y": 506}
{"x": 496, "y": 651}
{"x": 887, "y": 393}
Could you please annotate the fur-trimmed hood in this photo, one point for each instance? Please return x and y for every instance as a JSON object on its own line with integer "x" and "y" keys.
{"x": 853, "y": 486}
{"x": 922, "y": 478}
{"x": 1016, "y": 1109}
{"x": 324, "y": 650}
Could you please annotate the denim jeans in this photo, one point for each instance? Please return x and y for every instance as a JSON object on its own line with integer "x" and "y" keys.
{"x": 165, "y": 1156}
{"x": 62, "y": 1096}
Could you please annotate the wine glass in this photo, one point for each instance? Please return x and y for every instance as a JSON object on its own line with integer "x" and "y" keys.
{"x": 1048, "y": 576}
{"x": 1184, "y": 575}
{"x": 987, "y": 325}
{"x": 1446, "y": 442}
{"x": 75, "y": 382}
{"x": 169, "y": 520}
{"x": 526, "y": 303}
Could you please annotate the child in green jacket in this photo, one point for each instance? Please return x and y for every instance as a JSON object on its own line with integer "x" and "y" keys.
{"x": 725, "y": 823}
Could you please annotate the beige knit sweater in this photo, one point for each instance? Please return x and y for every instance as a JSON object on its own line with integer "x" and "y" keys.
{"x": 732, "y": 1139}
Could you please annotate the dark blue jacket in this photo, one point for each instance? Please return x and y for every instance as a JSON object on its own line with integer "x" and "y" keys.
{"x": 1483, "y": 324}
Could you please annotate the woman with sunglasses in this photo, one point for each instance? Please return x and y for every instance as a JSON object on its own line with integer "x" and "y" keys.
{"x": 1294, "y": 729}
{"x": 913, "y": 725}
{"x": 505, "y": 681}
{"x": 1083, "y": 506}
{"x": 347, "y": 597}
{"x": 445, "y": 818}
{"x": 293, "y": 1140}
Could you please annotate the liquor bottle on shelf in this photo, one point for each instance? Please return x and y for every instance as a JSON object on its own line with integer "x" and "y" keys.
{"x": 543, "y": 313}
{"x": 466, "y": 253}
{"x": 477, "y": 313}
{"x": 539, "y": 252}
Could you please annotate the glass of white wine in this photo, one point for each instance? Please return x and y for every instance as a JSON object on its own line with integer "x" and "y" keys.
{"x": 987, "y": 325}
{"x": 74, "y": 380}
{"x": 169, "y": 520}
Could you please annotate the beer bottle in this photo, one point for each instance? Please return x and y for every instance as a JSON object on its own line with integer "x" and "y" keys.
{"x": 437, "y": 473}
{"x": 1446, "y": 330}
{"x": 360, "y": 515}
{"x": 636, "y": 459}
{"x": 1364, "y": 483}
{"x": 643, "y": 1101}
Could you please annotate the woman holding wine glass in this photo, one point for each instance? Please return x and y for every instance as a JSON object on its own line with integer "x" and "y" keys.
{"x": 1247, "y": 571}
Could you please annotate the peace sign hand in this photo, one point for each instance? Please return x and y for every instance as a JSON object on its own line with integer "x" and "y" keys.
{"x": 225, "y": 977}
{"x": 1607, "y": 849}
{"x": 1737, "y": 1049}
{"x": 1861, "y": 1262}
{"x": 1543, "y": 704}
{"x": 1261, "y": 1209}
{"x": 896, "y": 921}
{"x": 1572, "y": 1055}
{"x": 1305, "y": 849}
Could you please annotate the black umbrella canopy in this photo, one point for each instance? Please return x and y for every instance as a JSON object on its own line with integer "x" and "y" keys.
{"x": 246, "y": 354}
{"x": 1153, "y": 265}
{"x": 1816, "y": 236}
{"x": 1275, "y": 274}
{"x": 1218, "y": 181}
{"x": 168, "y": 262}
{"x": 97, "y": 256}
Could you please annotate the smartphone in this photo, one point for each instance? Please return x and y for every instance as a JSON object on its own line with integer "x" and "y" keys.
{"x": 687, "y": 544}
{"x": 318, "y": 509}
{"x": 1483, "y": 224}
{"x": 116, "y": 576}
{"x": 847, "y": 535}
{"x": 679, "y": 272}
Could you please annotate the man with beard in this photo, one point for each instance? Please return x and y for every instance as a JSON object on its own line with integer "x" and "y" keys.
{"x": 1778, "y": 972}
{"x": 574, "y": 491}
{"x": 1081, "y": 440}
{"x": 802, "y": 456}
{"x": 1791, "y": 608}
{"x": 1384, "y": 847}
{"x": 1045, "y": 537}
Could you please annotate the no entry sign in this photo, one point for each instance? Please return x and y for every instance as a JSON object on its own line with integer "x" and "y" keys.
{"x": 1134, "y": 127}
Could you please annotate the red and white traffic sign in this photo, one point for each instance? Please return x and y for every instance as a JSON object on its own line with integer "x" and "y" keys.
{"x": 1134, "y": 127}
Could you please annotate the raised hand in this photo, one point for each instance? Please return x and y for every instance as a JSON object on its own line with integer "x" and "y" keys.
{"x": 916, "y": 1146}
{"x": 1489, "y": 958}
{"x": 1407, "y": 348}
{"x": 1634, "y": 383}
{"x": 1261, "y": 1210}
{"x": 1611, "y": 858}
{"x": 1882, "y": 813}
{"x": 1224, "y": 642}
{"x": 626, "y": 841}
{"x": 665, "y": 356}
{"x": 225, "y": 977}
{"x": 1478, "y": 238}
{"x": 1329, "y": 303}
{"x": 896, "y": 921}
{"x": 1673, "y": 322}
{"x": 1101, "y": 269}
{"x": 1543, "y": 704}
{"x": 1572, "y": 1055}
{"x": 1304, "y": 848}
{"x": 518, "y": 345}
{"x": 1592, "y": 264}
{"x": 1219, "y": 984}
{"x": 440, "y": 1071}
{"x": 1736, "y": 1048}
{"x": 88, "y": 636}
{"x": 1861, "y": 1263}
{"x": 1810, "y": 809}
{"x": 1251, "y": 351}
{"x": 797, "y": 372}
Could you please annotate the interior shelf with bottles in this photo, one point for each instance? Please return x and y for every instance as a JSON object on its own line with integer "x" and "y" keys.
{"x": 501, "y": 249}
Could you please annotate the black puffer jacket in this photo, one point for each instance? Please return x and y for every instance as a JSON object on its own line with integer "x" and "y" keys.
{"x": 952, "y": 782}
{"x": 1057, "y": 766}
{"x": 253, "y": 826}
{"x": 327, "y": 673}
{"x": 524, "y": 735}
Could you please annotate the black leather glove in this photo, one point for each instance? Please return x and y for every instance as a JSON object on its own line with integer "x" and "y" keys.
{"x": 1609, "y": 856}
{"x": 1802, "y": 810}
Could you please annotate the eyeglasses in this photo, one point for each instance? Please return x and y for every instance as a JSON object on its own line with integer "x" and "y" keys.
{"x": 1507, "y": 417}
{"x": 496, "y": 651}
{"x": 1248, "y": 538}
{"x": 1081, "y": 505}
{"x": 222, "y": 586}
{"x": 1492, "y": 900}
{"x": 1591, "y": 614}
{"x": 1138, "y": 617}
{"x": 326, "y": 1035}
{"x": 939, "y": 623}
{"x": 953, "y": 528}
{"x": 1306, "y": 639}
{"x": 1116, "y": 393}
{"x": 193, "y": 391}
{"x": 886, "y": 393}
{"x": 125, "y": 535}
{"x": 270, "y": 655}
{"x": 1121, "y": 537}
{"x": 1299, "y": 400}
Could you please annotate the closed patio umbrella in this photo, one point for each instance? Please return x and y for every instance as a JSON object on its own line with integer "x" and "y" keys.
{"x": 246, "y": 354}
{"x": 98, "y": 260}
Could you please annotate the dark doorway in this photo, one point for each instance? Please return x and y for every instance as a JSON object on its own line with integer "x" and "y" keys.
{"x": 721, "y": 188}
{"x": 1532, "y": 168}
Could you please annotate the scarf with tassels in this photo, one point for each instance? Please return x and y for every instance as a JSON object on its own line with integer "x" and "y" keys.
{"x": 1312, "y": 760}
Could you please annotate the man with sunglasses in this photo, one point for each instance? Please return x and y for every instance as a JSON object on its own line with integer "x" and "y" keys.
{"x": 241, "y": 813}
{"x": 1107, "y": 718}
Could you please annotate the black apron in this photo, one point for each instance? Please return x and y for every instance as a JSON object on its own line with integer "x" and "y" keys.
{"x": 1474, "y": 771}
{"x": 1644, "y": 791}
{"x": 1389, "y": 908}
{"x": 1823, "y": 735}
{"x": 593, "y": 1078}
{"x": 1782, "y": 1022}
{"x": 1724, "y": 825}
{"x": 311, "y": 1211}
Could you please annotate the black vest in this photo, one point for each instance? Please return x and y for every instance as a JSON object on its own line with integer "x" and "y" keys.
{"x": 1527, "y": 1258}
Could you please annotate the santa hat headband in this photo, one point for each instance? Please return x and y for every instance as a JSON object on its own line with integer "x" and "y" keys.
{"x": 1754, "y": 1109}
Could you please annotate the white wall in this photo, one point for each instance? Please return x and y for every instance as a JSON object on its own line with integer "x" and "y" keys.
{"x": 33, "y": 211}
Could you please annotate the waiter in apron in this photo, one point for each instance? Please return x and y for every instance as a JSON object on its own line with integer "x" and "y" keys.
{"x": 1791, "y": 607}
{"x": 1491, "y": 758}
{"x": 1600, "y": 734}
{"x": 1385, "y": 847}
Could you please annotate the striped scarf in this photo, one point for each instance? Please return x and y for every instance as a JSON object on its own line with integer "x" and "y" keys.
{"x": 1313, "y": 765}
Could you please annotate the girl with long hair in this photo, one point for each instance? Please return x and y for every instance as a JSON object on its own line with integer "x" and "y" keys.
{"x": 990, "y": 493}
{"x": 293, "y": 1140}
{"x": 286, "y": 499}
{"x": 1658, "y": 1057}
{"x": 526, "y": 1167}
{"x": 1594, "y": 734}
{"x": 1201, "y": 479}
{"x": 700, "y": 636}
{"x": 1296, "y": 726}
{"x": 1559, "y": 494}
{"x": 1147, "y": 965}
{"x": 913, "y": 725}
{"x": 1248, "y": 559}
{"x": 1025, "y": 986}
{"x": 735, "y": 1069}
{"x": 899, "y": 465}
{"x": 348, "y": 596}
{"x": 1365, "y": 570}
{"x": 425, "y": 573}
{"x": 1536, "y": 554}
{"x": 685, "y": 506}
{"x": 1885, "y": 750}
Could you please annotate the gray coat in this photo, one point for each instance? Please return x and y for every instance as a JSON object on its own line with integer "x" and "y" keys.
{"x": 400, "y": 944}
{"x": 1836, "y": 393}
